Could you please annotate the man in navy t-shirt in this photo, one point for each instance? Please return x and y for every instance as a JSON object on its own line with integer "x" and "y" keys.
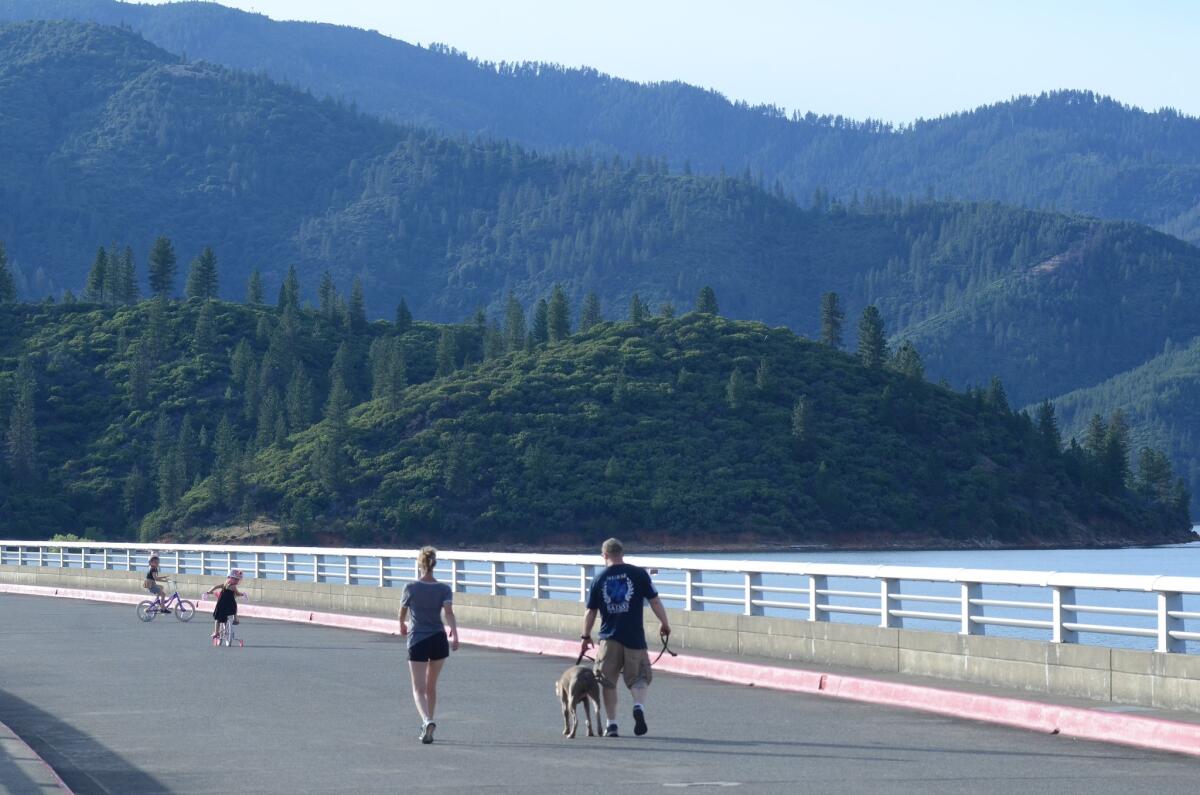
{"x": 618, "y": 594}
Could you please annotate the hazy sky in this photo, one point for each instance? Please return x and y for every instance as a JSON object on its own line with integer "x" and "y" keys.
{"x": 891, "y": 60}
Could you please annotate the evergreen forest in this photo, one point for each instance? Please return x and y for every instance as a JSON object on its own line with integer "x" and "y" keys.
{"x": 204, "y": 419}
{"x": 1071, "y": 150}
{"x": 414, "y": 296}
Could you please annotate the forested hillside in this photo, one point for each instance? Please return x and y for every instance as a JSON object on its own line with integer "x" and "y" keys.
{"x": 1069, "y": 150}
{"x": 1160, "y": 401}
{"x": 168, "y": 419}
{"x": 111, "y": 141}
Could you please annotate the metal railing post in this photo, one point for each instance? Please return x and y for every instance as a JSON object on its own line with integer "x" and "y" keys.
{"x": 1168, "y": 603}
{"x": 383, "y": 582}
{"x": 583, "y": 588}
{"x": 454, "y": 575}
{"x": 348, "y": 570}
{"x": 1062, "y": 596}
{"x": 691, "y": 582}
{"x": 967, "y": 592}
{"x": 752, "y": 581}
{"x": 887, "y": 588}
{"x": 495, "y": 583}
{"x": 816, "y": 582}
{"x": 539, "y": 569}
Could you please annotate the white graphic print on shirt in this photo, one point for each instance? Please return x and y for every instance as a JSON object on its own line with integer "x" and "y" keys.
{"x": 618, "y": 592}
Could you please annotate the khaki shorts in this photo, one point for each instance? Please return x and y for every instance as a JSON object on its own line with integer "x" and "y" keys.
{"x": 613, "y": 659}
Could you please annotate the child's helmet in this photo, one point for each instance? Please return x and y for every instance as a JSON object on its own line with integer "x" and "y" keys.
{"x": 236, "y": 574}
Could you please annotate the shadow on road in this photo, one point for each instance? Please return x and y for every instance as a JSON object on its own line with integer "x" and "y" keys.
{"x": 61, "y": 745}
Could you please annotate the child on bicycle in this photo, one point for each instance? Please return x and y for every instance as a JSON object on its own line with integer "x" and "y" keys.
{"x": 151, "y": 584}
{"x": 226, "y": 601}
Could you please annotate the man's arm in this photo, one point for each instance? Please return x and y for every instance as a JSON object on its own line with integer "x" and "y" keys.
{"x": 660, "y": 612}
{"x": 404, "y": 619}
{"x": 589, "y": 621}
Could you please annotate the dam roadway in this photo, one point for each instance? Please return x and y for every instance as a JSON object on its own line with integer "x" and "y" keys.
{"x": 117, "y": 706}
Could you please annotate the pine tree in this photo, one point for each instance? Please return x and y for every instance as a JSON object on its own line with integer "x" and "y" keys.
{"x": 357, "y": 311}
{"x": 831, "y": 320}
{"x": 123, "y": 276}
{"x": 134, "y": 493}
{"x": 269, "y": 413}
{"x": 872, "y": 344}
{"x": 140, "y": 369}
{"x": 255, "y": 294}
{"x": 170, "y": 482}
{"x": 8, "y": 285}
{"x": 227, "y": 464}
{"x": 667, "y": 311}
{"x": 289, "y": 291}
{"x": 161, "y": 264}
{"x": 1154, "y": 477}
{"x": 1116, "y": 453}
{"x": 251, "y": 391}
{"x": 1095, "y": 437}
{"x": 404, "y": 318}
{"x": 202, "y": 276}
{"x": 96, "y": 290}
{"x": 591, "y": 312}
{"x": 514, "y": 324}
{"x": 299, "y": 400}
{"x": 996, "y": 396}
{"x": 189, "y": 457}
{"x": 637, "y": 310}
{"x": 907, "y": 361}
{"x": 762, "y": 377}
{"x": 157, "y": 330}
{"x": 205, "y": 332}
{"x": 540, "y": 330}
{"x": 800, "y": 419}
{"x": 706, "y": 301}
{"x": 493, "y": 342}
{"x": 735, "y": 390}
{"x": 22, "y": 426}
{"x": 327, "y": 297}
{"x": 559, "y": 315}
{"x": 447, "y": 352}
{"x": 1047, "y": 425}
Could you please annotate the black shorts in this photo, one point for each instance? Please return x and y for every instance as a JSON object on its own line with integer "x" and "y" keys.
{"x": 435, "y": 647}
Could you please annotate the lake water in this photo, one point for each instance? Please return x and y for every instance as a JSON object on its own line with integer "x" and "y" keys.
{"x": 1176, "y": 560}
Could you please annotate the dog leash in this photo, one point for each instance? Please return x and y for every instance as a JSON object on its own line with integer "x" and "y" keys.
{"x": 666, "y": 649}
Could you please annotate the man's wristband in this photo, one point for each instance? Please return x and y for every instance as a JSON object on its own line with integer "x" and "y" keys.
{"x": 585, "y": 637}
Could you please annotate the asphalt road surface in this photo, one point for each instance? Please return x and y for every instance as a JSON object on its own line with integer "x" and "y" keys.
{"x": 118, "y": 706}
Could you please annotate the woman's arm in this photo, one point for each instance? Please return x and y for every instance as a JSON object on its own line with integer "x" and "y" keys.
{"x": 404, "y": 619}
{"x": 448, "y": 609}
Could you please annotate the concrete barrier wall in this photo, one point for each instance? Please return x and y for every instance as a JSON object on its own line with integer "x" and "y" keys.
{"x": 1170, "y": 681}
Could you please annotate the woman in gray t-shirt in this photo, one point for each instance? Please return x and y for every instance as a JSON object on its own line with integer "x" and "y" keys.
{"x": 428, "y": 646}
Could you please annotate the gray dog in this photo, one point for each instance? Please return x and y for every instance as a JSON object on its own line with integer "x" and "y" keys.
{"x": 577, "y": 686}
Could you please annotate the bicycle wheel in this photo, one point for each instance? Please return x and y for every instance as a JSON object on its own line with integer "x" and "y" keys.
{"x": 146, "y": 611}
{"x": 185, "y": 610}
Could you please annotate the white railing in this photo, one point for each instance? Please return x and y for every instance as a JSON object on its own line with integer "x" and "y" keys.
{"x": 1051, "y": 605}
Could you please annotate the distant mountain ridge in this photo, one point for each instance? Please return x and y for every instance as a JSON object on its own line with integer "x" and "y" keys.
{"x": 1070, "y": 150}
{"x": 112, "y": 139}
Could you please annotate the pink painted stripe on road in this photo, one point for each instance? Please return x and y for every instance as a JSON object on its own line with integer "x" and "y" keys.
{"x": 1077, "y": 722}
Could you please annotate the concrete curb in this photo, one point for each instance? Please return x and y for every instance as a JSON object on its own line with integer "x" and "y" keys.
{"x": 1076, "y": 722}
{"x": 49, "y": 777}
